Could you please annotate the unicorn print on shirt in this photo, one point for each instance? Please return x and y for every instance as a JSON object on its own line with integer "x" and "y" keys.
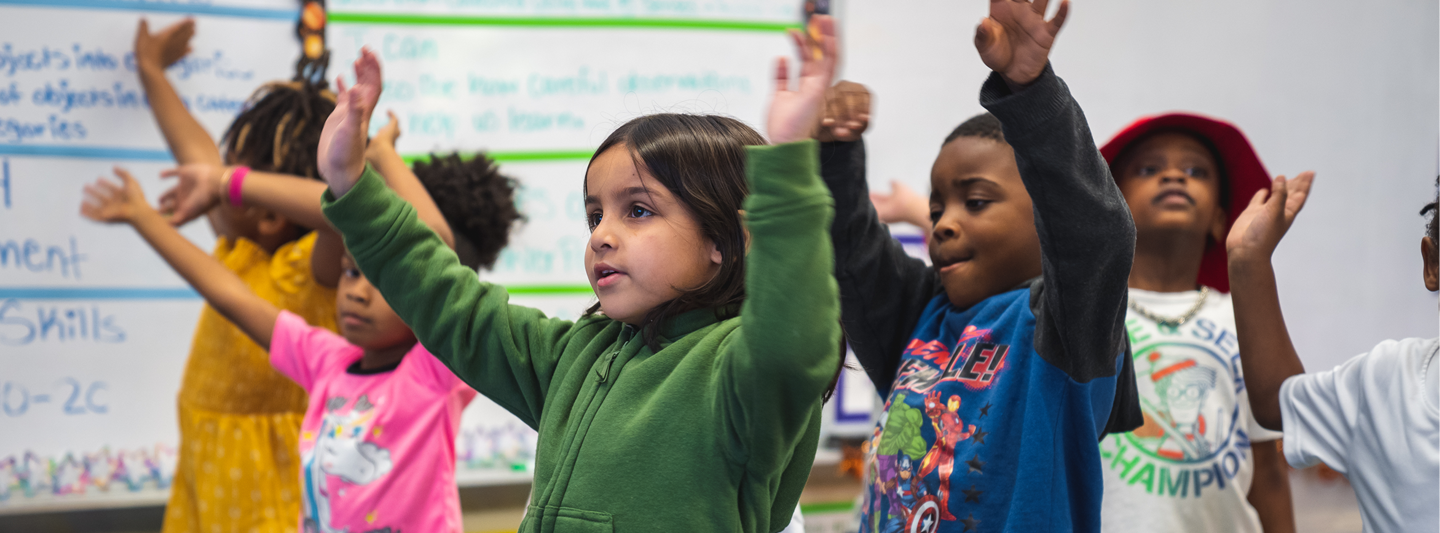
{"x": 340, "y": 451}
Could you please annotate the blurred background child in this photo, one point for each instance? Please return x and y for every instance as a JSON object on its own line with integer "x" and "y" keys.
{"x": 231, "y": 399}
{"x": 1200, "y": 463}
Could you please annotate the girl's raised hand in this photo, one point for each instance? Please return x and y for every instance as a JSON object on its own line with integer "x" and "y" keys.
{"x": 794, "y": 114}
{"x": 163, "y": 48}
{"x": 1258, "y": 229}
{"x": 341, "y": 155}
{"x": 108, "y": 202}
{"x": 1015, "y": 39}
{"x": 198, "y": 188}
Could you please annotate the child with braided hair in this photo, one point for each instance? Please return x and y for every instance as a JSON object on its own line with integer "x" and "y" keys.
{"x": 239, "y": 418}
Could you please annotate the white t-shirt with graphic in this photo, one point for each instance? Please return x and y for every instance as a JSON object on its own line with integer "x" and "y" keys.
{"x": 1374, "y": 419}
{"x": 1189, "y": 467}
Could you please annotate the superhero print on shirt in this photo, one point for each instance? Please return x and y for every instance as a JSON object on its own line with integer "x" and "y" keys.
{"x": 922, "y": 432}
{"x": 341, "y": 451}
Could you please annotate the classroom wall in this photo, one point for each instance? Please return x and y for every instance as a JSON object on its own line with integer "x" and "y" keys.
{"x": 1346, "y": 89}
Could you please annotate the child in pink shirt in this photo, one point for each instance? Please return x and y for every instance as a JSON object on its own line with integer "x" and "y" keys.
{"x": 378, "y": 441}
{"x": 377, "y": 447}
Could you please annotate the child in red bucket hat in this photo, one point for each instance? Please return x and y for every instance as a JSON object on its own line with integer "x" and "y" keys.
{"x": 1200, "y": 462}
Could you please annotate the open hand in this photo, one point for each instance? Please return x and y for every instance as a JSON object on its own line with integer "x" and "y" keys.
{"x": 385, "y": 138}
{"x": 163, "y": 48}
{"x": 341, "y": 154}
{"x": 847, "y": 113}
{"x": 1015, "y": 39}
{"x": 197, "y": 189}
{"x": 902, "y": 205}
{"x": 1259, "y": 228}
{"x": 794, "y": 113}
{"x": 108, "y": 202}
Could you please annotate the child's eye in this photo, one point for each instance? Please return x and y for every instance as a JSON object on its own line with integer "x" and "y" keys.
{"x": 976, "y": 204}
{"x": 352, "y": 272}
{"x": 935, "y": 215}
{"x": 1146, "y": 171}
{"x": 1197, "y": 172}
{"x": 639, "y": 212}
{"x": 592, "y": 220}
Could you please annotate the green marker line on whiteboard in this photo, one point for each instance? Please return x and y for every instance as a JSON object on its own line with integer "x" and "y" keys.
{"x": 548, "y": 290}
{"x": 570, "y": 22}
{"x": 515, "y": 156}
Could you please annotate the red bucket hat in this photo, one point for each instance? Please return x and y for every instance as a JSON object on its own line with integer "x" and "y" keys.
{"x": 1242, "y": 169}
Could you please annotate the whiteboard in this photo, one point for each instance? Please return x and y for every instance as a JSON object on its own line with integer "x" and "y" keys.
{"x": 95, "y": 328}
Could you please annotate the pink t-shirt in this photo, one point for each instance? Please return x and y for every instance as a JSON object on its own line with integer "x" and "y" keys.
{"x": 377, "y": 446}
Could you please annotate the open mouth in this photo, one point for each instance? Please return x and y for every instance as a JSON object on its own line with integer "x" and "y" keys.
{"x": 606, "y": 275}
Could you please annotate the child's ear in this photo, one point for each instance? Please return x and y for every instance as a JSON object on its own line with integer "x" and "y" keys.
{"x": 1432, "y": 264}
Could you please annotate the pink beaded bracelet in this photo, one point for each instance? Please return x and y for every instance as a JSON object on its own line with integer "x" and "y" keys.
{"x": 237, "y": 177}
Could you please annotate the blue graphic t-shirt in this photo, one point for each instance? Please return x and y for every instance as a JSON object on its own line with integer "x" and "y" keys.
{"x": 982, "y": 434}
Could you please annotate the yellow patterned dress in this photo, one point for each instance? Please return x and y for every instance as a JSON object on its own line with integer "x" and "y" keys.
{"x": 240, "y": 419}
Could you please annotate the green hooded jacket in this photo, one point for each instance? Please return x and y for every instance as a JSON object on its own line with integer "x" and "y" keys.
{"x": 714, "y": 432}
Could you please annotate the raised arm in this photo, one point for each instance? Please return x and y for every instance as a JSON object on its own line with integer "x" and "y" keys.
{"x": 882, "y": 289}
{"x": 1267, "y": 356}
{"x": 222, "y": 289}
{"x": 786, "y": 350}
{"x": 200, "y": 187}
{"x": 381, "y": 153}
{"x": 188, "y": 140}
{"x": 1087, "y": 237}
{"x": 509, "y": 353}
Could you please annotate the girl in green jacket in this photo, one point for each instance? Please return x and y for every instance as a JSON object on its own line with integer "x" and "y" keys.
{"x": 689, "y": 398}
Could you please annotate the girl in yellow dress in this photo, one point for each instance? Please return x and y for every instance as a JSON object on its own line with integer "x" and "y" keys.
{"x": 239, "y": 418}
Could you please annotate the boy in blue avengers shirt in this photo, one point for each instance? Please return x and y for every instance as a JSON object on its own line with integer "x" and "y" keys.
{"x": 1005, "y": 363}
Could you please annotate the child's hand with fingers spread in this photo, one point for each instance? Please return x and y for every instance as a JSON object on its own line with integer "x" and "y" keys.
{"x": 1015, "y": 39}
{"x": 107, "y": 202}
{"x": 198, "y": 188}
{"x": 385, "y": 138}
{"x": 1258, "y": 229}
{"x": 341, "y": 154}
{"x": 163, "y": 48}
{"x": 794, "y": 113}
{"x": 847, "y": 113}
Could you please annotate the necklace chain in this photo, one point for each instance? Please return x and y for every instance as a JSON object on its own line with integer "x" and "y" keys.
{"x": 1173, "y": 322}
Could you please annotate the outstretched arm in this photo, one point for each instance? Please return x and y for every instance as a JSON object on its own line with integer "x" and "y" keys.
{"x": 783, "y": 355}
{"x": 507, "y": 352}
{"x": 222, "y": 289}
{"x": 201, "y": 187}
{"x": 1267, "y": 356}
{"x": 381, "y": 153}
{"x": 188, "y": 140}
{"x": 883, "y": 290}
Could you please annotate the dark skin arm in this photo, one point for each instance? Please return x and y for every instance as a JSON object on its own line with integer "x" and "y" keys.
{"x": 110, "y": 203}
{"x": 187, "y": 139}
{"x": 1270, "y": 490}
{"x": 381, "y": 153}
{"x": 202, "y": 187}
{"x": 1267, "y": 355}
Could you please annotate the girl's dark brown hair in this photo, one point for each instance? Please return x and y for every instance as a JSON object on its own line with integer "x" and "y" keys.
{"x": 278, "y": 129}
{"x": 701, "y": 160}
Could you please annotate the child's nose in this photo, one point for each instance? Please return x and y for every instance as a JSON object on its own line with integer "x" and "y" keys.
{"x": 602, "y": 236}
